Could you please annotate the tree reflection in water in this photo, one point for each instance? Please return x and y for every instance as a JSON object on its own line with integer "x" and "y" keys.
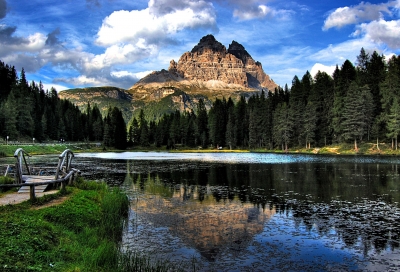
{"x": 317, "y": 215}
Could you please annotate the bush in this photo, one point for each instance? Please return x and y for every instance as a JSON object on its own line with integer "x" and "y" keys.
{"x": 5, "y": 180}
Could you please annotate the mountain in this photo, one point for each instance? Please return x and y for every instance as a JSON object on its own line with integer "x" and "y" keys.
{"x": 207, "y": 72}
{"x": 208, "y": 69}
{"x": 104, "y": 97}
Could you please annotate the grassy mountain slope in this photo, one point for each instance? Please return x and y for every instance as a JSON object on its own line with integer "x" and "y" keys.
{"x": 104, "y": 97}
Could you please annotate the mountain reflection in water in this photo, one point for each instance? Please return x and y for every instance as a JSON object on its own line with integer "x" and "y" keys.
{"x": 260, "y": 212}
{"x": 207, "y": 225}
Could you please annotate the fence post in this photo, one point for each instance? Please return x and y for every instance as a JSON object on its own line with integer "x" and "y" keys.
{"x": 32, "y": 192}
{"x": 62, "y": 189}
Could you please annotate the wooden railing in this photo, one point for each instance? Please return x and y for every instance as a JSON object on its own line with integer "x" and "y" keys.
{"x": 64, "y": 173}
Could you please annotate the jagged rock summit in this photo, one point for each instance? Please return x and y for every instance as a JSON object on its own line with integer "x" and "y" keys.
{"x": 209, "y": 65}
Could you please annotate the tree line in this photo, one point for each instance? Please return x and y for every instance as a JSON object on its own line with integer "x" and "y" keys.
{"x": 357, "y": 103}
{"x": 30, "y": 113}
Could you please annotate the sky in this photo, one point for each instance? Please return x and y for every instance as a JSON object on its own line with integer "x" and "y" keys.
{"x": 82, "y": 43}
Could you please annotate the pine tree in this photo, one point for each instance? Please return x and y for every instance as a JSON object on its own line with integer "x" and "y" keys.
{"x": 283, "y": 124}
{"x": 321, "y": 96}
{"x": 9, "y": 111}
{"x": 297, "y": 102}
{"x": 253, "y": 129}
{"x": 353, "y": 119}
{"x": 393, "y": 122}
{"x": 362, "y": 67}
{"x": 230, "y": 129}
{"x": 201, "y": 124}
{"x": 134, "y": 131}
{"x": 309, "y": 124}
{"x": 241, "y": 121}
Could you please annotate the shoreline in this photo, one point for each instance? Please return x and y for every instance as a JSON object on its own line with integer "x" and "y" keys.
{"x": 368, "y": 149}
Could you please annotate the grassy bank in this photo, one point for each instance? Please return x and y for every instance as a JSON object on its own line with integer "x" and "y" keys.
{"x": 80, "y": 234}
{"x": 37, "y": 149}
{"x": 335, "y": 149}
{"x": 343, "y": 149}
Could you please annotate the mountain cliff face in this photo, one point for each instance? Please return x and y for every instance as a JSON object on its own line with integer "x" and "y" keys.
{"x": 103, "y": 97}
{"x": 207, "y": 72}
{"x": 211, "y": 66}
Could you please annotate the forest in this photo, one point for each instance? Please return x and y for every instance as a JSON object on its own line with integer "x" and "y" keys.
{"x": 29, "y": 113}
{"x": 358, "y": 103}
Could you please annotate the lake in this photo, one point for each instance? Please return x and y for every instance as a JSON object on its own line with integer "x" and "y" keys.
{"x": 258, "y": 212}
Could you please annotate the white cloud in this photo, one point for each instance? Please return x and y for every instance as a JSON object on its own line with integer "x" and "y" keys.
{"x": 337, "y": 54}
{"x": 323, "y": 68}
{"x": 120, "y": 54}
{"x": 356, "y": 14}
{"x": 155, "y": 23}
{"x": 258, "y": 12}
{"x": 83, "y": 81}
{"x": 137, "y": 76}
{"x": 386, "y": 32}
{"x": 48, "y": 86}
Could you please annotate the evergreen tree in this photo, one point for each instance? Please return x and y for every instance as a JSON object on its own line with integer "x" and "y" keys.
{"x": 217, "y": 122}
{"x": 342, "y": 81}
{"x": 230, "y": 129}
{"x": 201, "y": 124}
{"x": 297, "y": 102}
{"x": 367, "y": 109}
{"x": 322, "y": 98}
{"x": 393, "y": 122}
{"x": 9, "y": 113}
{"x": 309, "y": 124}
{"x": 134, "y": 131}
{"x": 253, "y": 129}
{"x": 282, "y": 129}
{"x": 362, "y": 67}
{"x": 376, "y": 70}
{"x": 241, "y": 121}
{"x": 97, "y": 124}
{"x": 353, "y": 119}
{"x": 175, "y": 129}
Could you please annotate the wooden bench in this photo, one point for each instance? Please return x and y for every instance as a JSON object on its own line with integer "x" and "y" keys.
{"x": 25, "y": 177}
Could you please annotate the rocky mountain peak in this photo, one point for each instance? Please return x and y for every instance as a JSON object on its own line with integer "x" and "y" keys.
{"x": 238, "y": 51}
{"x": 211, "y": 64}
{"x": 209, "y": 42}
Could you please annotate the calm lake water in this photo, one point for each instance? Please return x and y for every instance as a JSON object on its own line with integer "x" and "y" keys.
{"x": 258, "y": 212}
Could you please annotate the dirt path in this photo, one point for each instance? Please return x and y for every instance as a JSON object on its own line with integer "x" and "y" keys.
{"x": 15, "y": 198}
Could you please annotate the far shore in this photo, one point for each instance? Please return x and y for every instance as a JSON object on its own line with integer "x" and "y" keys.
{"x": 335, "y": 149}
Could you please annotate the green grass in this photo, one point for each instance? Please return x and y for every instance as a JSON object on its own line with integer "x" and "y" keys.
{"x": 38, "y": 149}
{"x": 77, "y": 235}
{"x": 6, "y": 180}
{"x": 82, "y": 233}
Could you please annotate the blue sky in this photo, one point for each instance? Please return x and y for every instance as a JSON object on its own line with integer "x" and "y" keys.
{"x": 78, "y": 43}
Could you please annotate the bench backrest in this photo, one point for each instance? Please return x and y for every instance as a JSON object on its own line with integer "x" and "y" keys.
{"x": 22, "y": 166}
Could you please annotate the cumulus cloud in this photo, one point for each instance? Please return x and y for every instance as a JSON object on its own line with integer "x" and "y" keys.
{"x": 356, "y": 14}
{"x": 370, "y": 22}
{"x": 381, "y": 32}
{"x": 120, "y": 54}
{"x": 323, "y": 68}
{"x": 123, "y": 79}
{"x": 156, "y": 22}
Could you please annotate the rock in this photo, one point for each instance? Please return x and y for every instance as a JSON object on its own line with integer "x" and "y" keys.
{"x": 211, "y": 65}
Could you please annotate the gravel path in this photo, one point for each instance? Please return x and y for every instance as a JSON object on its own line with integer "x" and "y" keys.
{"x": 15, "y": 198}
